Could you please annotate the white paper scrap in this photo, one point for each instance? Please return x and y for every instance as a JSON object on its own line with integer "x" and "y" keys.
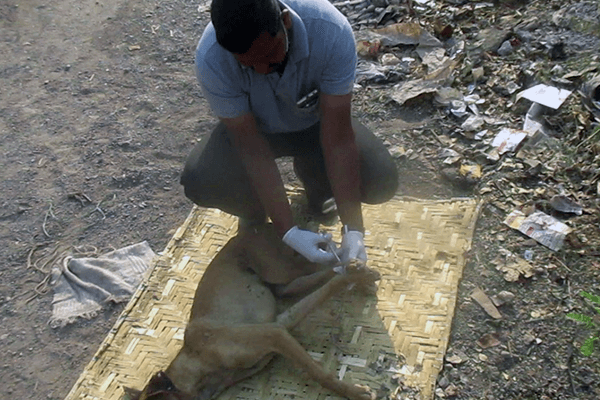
{"x": 508, "y": 139}
{"x": 545, "y": 95}
{"x": 542, "y": 227}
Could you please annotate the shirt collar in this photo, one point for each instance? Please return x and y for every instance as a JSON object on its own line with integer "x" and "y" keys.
{"x": 299, "y": 38}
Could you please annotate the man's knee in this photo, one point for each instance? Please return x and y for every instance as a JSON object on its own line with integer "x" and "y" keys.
{"x": 381, "y": 190}
{"x": 192, "y": 185}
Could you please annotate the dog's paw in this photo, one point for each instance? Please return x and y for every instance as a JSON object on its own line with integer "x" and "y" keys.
{"x": 359, "y": 272}
{"x": 361, "y": 392}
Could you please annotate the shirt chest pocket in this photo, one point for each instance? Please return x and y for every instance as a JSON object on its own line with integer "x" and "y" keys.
{"x": 308, "y": 103}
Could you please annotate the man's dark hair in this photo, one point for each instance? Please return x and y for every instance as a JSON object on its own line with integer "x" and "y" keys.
{"x": 239, "y": 22}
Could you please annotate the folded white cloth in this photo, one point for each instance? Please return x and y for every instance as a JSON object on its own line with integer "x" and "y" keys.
{"x": 82, "y": 286}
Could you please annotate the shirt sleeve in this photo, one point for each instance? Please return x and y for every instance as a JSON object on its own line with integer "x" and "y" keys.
{"x": 340, "y": 69}
{"x": 220, "y": 81}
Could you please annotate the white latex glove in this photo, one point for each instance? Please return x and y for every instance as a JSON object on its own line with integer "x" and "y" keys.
{"x": 313, "y": 246}
{"x": 353, "y": 247}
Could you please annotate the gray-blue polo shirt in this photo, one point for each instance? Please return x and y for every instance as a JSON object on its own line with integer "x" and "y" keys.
{"x": 322, "y": 56}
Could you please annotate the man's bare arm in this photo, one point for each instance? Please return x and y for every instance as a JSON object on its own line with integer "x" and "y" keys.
{"x": 341, "y": 156}
{"x": 262, "y": 169}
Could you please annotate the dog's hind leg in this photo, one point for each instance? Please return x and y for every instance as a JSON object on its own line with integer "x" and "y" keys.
{"x": 296, "y": 313}
{"x": 242, "y": 347}
{"x": 304, "y": 284}
{"x": 354, "y": 274}
{"x": 285, "y": 344}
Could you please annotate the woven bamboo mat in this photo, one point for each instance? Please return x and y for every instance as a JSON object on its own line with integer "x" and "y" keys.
{"x": 394, "y": 342}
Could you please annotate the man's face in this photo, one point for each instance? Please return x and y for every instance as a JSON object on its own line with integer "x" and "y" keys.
{"x": 266, "y": 53}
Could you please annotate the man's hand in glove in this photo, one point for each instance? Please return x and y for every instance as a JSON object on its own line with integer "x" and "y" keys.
{"x": 353, "y": 246}
{"x": 313, "y": 246}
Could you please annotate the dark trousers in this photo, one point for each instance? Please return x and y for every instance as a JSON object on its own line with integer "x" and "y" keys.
{"x": 215, "y": 177}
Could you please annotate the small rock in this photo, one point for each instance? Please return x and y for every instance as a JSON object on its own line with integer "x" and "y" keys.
{"x": 558, "y": 70}
{"x": 389, "y": 59}
{"x": 454, "y": 359}
{"x": 483, "y": 357}
{"x": 505, "y": 49}
{"x": 397, "y": 151}
{"x": 488, "y": 340}
{"x": 379, "y": 3}
{"x": 477, "y": 73}
{"x": 528, "y": 338}
{"x": 451, "y": 390}
{"x": 443, "y": 382}
{"x": 502, "y": 298}
{"x": 506, "y": 296}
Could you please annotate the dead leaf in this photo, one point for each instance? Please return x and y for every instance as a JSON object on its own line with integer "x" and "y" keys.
{"x": 488, "y": 340}
{"x": 484, "y": 301}
{"x": 514, "y": 269}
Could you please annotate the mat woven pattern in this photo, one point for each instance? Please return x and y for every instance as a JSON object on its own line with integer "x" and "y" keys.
{"x": 395, "y": 340}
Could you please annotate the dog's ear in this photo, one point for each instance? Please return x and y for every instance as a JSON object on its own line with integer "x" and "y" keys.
{"x": 160, "y": 382}
{"x": 131, "y": 394}
{"x": 159, "y": 387}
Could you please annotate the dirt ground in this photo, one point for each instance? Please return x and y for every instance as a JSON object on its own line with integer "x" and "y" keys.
{"x": 99, "y": 108}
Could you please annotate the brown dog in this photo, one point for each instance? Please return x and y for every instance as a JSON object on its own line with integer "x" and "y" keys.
{"x": 234, "y": 329}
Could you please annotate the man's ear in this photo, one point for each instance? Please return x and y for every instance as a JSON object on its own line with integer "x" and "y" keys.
{"x": 287, "y": 18}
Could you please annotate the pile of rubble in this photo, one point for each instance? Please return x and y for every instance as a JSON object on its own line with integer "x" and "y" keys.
{"x": 520, "y": 105}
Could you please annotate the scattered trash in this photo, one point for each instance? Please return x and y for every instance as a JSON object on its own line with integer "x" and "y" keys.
{"x": 565, "y": 205}
{"x": 548, "y": 96}
{"x": 532, "y": 124}
{"x": 405, "y": 34}
{"x": 450, "y": 156}
{"x": 459, "y": 108}
{"x": 428, "y": 84}
{"x": 368, "y": 48}
{"x": 591, "y": 95}
{"x": 398, "y": 151}
{"x": 470, "y": 171}
{"x": 369, "y": 72}
{"x": 484, "y": 301}
{"x": 389, "y": 59}
{"x": 433, "y": 57}
{"x": 473, "y": 123}
{"x": 446, "y": 95}
{"x": 508, "y": 140}
{"x": 490, "y": 39}
{"x": 544, "y": 228}
{"x": 514, "y": 267}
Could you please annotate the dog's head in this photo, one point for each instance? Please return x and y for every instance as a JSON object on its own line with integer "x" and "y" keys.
{"x": 159, "y": 387}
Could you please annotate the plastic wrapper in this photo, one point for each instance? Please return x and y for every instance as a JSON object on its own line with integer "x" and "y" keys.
{"x": 539, "y": 226}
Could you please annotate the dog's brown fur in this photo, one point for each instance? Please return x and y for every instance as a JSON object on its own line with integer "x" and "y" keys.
{"x": 234, "y": 329}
